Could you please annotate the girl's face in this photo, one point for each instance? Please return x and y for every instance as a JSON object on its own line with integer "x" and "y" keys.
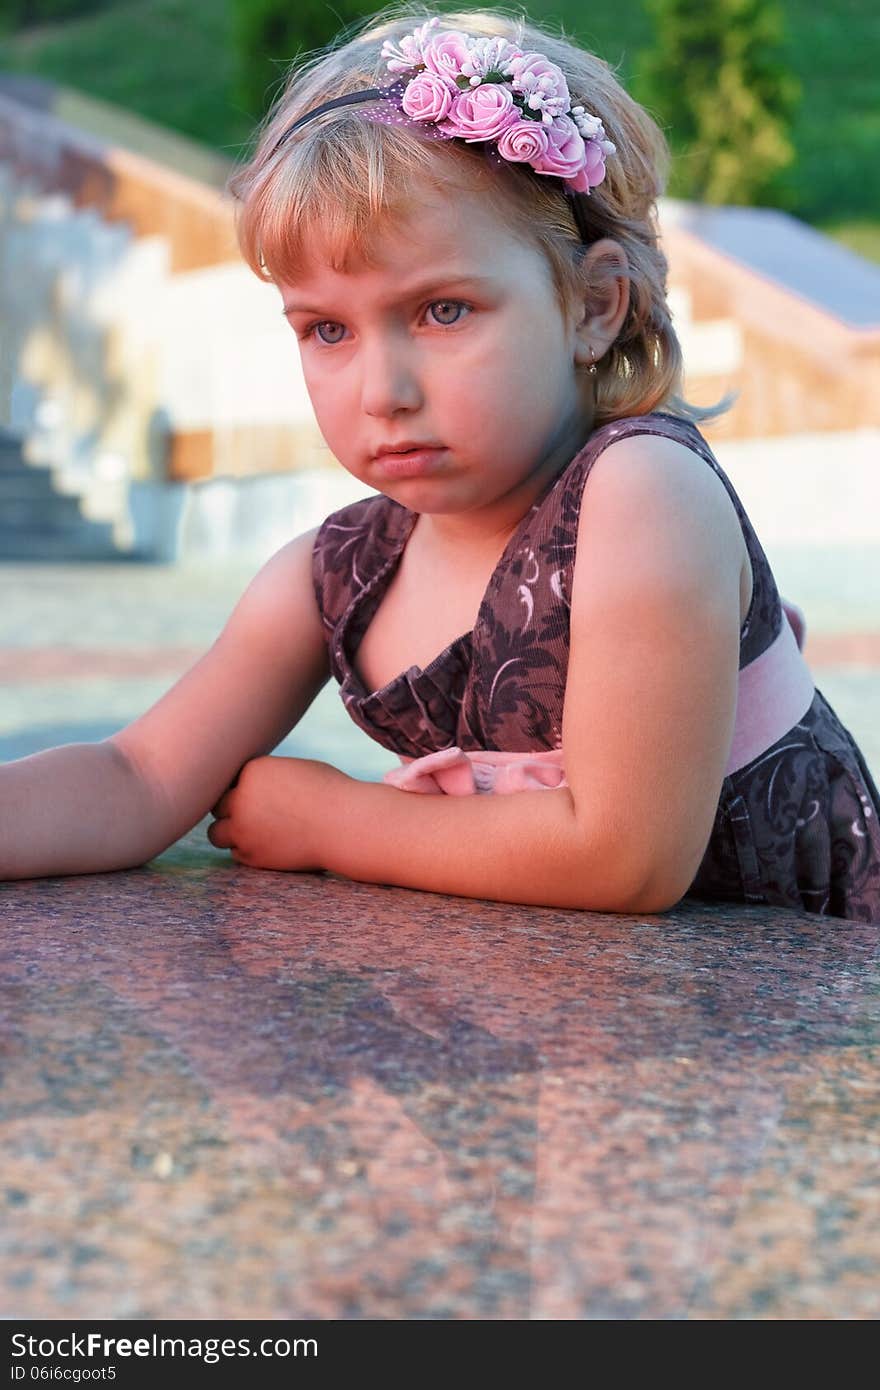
{"x": 457, "y": 340}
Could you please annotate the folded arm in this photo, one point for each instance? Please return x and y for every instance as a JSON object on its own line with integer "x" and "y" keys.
{"x": 529, "y": 848}
{"x": 298, "y": 814}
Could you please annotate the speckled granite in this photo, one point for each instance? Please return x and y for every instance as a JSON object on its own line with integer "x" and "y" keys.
{"x": 233, "y": 1093}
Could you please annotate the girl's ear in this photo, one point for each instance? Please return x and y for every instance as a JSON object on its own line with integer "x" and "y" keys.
{"x": 604, "y": 274}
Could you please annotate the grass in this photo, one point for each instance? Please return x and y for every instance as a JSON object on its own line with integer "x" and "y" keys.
{"x": 171, "y": 61}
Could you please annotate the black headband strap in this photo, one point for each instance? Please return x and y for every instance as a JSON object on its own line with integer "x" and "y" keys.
{"x": 393, "y": 94}
{"x": 349, "y": 99}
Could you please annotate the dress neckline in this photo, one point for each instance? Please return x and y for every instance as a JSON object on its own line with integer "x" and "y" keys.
{"x": 380, "y": 582}
{"x": 354, "y": 689}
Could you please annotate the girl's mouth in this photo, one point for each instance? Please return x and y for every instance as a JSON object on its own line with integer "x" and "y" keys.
{"x": 411, "y": 464}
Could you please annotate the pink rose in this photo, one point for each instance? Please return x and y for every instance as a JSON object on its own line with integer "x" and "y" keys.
{"x": 444, "y": 53}
{"x": 524, "y": 141}
{"x": 593, "y": 171}
{"x": 541, "y": 81}
{"x": 595, "y": 166}
{"x": 428, "y": 97}
{"x": 564, "y": 156}
{"x": 481, "y": 113}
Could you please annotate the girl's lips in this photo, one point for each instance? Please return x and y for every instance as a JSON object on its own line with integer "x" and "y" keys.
{"x": 412, "y": 464}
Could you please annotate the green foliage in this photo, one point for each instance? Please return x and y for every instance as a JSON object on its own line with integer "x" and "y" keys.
{"x": 169, "y": 61}
{"x": 23, "y": 14}
{"x": 270, "y": 34}
{"x": 715, "y": 80}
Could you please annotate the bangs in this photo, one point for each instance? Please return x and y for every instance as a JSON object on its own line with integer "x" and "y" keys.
{"x": 340, "y": 189}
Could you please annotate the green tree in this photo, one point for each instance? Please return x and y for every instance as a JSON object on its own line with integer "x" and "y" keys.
{"x": 25, "y": 14}
{"x": 16, "y": 15}
{"x": 270, "y": 34}
{"x": 716, "y": 81}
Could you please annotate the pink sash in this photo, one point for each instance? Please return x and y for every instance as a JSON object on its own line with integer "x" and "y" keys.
{"x": 774, "y": 693}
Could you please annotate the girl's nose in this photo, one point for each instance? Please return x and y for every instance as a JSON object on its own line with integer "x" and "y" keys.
{"x": 390, "y": 381}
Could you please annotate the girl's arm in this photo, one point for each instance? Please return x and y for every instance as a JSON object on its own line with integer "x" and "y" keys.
{"x": 90, "y": 808}
{"x": 650, "y": 701}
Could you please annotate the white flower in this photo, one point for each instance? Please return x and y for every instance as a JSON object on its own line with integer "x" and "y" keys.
{"x": 589, "y": 126}
{"x": 487, "y": 55}
{"x": 408, "y": 53}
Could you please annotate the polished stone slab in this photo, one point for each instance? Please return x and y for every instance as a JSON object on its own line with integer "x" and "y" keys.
{"x": 233, "y": 1093}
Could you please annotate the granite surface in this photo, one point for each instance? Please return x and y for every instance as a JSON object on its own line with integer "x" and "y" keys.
{"x": 232, "y": 1093}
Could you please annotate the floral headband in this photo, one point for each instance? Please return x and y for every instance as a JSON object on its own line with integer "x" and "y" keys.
{"x": 486, "y": 90}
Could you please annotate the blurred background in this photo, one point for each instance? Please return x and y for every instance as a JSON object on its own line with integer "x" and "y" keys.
{"x": 156, "y": 440}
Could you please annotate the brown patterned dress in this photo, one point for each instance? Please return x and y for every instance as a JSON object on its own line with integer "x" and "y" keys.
{"x": 798, "y": 826}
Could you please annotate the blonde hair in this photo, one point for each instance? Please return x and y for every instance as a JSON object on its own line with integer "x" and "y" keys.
{"x": 342, "y": 179}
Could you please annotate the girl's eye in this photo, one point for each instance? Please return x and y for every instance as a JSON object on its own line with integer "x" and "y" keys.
{"x": 445, "y": 304}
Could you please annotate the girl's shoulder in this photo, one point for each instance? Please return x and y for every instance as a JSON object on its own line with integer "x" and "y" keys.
{"x": 764, "y": 618}
{"x": 698, "y": 468}
{"x": 675, "y": 429}
{"x": 654, "y": 422}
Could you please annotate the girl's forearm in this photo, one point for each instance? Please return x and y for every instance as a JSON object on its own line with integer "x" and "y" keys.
{"x": 76, "y": 809}
{"x": 526, "y": 847}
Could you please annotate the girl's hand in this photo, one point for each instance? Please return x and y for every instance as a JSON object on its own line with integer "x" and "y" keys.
{"x": 279, "y": 813}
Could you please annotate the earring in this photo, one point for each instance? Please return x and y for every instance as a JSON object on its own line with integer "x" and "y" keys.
{"x": 592, "y": 369}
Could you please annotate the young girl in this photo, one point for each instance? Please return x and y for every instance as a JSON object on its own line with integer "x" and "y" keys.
{"x": 555, "y": 591}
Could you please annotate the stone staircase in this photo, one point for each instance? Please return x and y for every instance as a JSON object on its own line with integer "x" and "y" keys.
{"x": 70, "y": 424}
{"x": 125, "y": 378}
{"x": 39, "y": 523}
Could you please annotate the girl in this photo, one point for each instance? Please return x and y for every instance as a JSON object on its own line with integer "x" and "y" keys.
{"x": 555, "y": 591}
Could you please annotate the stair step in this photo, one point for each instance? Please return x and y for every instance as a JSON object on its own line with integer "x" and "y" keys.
{"x": 67, "y": 525}
{"x": 39, "y": 523}
{"x": 26, "y": 485}
{"x": 44, "y": 513}
{"x": 11, "y": 458}
{"x": 70, "y": 543}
